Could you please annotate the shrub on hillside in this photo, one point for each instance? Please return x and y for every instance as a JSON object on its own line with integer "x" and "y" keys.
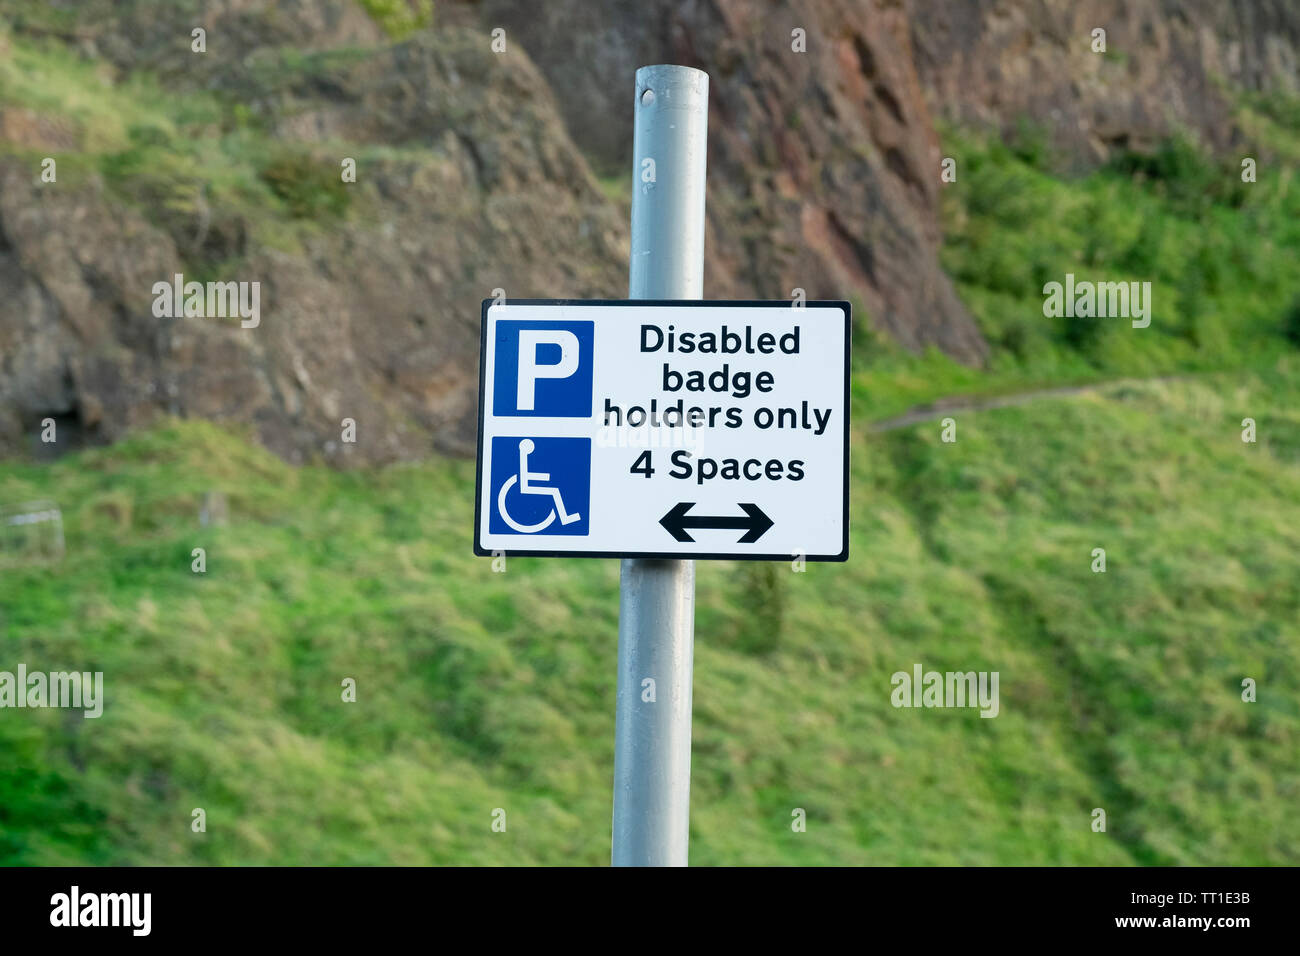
{"x": 310, "y": 189}
{"x": 1291, "y": 323}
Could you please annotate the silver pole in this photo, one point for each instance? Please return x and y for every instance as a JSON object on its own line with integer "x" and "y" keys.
{"x": 656, "y": 621}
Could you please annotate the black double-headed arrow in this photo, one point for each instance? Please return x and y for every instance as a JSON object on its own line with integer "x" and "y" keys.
{"x": 754, "y": 521}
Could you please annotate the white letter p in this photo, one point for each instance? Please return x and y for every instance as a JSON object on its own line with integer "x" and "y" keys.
{"x": 530, "y": 371}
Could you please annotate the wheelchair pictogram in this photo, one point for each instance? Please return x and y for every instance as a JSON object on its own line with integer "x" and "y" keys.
{"x": 540, "y": 480}
{"x": 526, "y": 480}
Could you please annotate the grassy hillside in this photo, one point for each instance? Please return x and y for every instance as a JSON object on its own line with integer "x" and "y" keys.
{"x": 1222, "y": 257}
{"x": 479, "y": 690}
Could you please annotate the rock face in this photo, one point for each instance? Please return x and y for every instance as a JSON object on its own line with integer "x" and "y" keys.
{"x": 374, "y": 319}
{"x": 1164, "y": 70}
{"x": 823, "y": 164}
{"x": 475, "y": 173}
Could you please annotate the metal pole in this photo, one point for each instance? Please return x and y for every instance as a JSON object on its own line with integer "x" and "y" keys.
{"x": 656, "y": 621}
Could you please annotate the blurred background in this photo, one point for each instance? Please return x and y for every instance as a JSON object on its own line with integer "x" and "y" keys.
{"x": 491, "y": 143}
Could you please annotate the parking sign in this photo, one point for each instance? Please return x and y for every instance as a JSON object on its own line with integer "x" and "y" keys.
{"x": 673, "y": 429}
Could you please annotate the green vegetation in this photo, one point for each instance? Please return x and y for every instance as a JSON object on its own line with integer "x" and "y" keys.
{"x": 200, "y": 166}
{"x": 400, "y": 18}
{"x": 617, "y": 188}
{"x": 1291, "y": 323}
{"x": 1221, "y": 256}
{"x": 478, "y": 690}
{"x": 309, "y": 188}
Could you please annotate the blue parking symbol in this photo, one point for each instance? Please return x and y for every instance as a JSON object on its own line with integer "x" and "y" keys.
{"x": 540, "y": 486}
{"x": 543, "y": 369}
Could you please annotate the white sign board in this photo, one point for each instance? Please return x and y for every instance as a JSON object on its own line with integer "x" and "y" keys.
{"x": 663, "y": 429}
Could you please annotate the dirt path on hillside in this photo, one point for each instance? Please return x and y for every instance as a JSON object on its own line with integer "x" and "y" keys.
{"x": 969, "y": 403}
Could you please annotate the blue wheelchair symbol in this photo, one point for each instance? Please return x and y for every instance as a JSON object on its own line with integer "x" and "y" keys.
{"x": 540, "y": 485}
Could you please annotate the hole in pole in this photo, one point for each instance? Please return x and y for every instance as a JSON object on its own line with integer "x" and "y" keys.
{"x": 647, "y": 97}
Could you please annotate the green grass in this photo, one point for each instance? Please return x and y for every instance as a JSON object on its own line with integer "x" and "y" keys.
{"x": 479, "y": 690}
{"x": 400, "y": 18}
{"x": 181, "y": 158}
{"x": 1221, "y": 256}
{"x": 617, "y": 189}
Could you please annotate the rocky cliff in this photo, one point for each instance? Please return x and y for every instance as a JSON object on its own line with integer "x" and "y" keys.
{"x": 482, "y": 169}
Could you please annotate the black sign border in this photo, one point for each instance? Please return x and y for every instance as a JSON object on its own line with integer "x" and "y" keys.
{"x": 480, "y": 551}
